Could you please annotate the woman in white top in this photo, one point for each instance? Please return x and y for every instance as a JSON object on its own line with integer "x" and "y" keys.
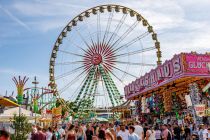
{"x": 150, "y": 135}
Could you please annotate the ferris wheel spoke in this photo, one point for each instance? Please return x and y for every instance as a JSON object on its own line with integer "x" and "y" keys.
{"x": 131, "y": 42}
{"x": 119, "y": 25}
{"x": 121, "y": 81}
{"x": 106, "y": 97}
{"x": 108, "y": 26}
{"x": 72, "y": 82}
{"x": 91, "y": 38}
{"x": 91, "y": 83}
{"x": 76, "y": 45}
{"x": 111, "y": 85}
{"x": 135, "y": 52}
{"x": 132, "y": 63}
{"x": 92, "y": 89}
{"x": 98, "y": 28}
{"x": 107, "y": 85}
{"x": 69, "y": 63}
{"x": 67, "y": 52}
{"x": 83, "y": 38}
{"x": 69, "y": 72}
{"x": 124, "y": 72}
{"x": 125, "y": 34}
{"x": 80, "y": 86}
{"x": 84, "y": 90}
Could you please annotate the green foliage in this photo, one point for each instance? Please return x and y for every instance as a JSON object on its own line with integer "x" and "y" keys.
{"x": 65, "y": 105}
{"x": 21, "y": 126}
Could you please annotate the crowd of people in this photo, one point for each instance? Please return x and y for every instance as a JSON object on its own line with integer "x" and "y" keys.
{"x": 120, "y": 131}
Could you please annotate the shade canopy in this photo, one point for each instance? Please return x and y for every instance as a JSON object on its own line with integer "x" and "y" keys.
{"x": 9, "y": 114}
{"x": 7, "y": 103}
{"x": 123, "y": 107}
{"x": 101, "y": 119}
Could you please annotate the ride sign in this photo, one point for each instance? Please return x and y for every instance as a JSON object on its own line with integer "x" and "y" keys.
{"x": 200, "y": 110}
{"x": 182, "y": 65}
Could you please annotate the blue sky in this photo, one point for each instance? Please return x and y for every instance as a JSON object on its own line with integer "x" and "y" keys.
{"x": 28, "y": 30}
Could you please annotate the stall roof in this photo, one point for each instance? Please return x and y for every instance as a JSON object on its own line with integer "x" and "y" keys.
{"x": 7, "y": 103}
{"x": 123, "y": 107}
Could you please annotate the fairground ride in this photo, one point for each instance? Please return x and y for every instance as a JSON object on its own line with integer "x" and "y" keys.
{"x": 98, "y": 52}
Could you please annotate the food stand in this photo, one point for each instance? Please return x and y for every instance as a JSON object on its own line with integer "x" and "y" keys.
{"x": 163, "y": 91}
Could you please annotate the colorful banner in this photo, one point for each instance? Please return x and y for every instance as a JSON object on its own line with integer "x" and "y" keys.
{"x": 188, "y": 100}
{"x": 200, "y": 110}
{"x": 56, "y": 111}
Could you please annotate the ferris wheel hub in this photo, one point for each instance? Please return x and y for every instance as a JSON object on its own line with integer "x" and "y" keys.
{"x": 96, "y": 59}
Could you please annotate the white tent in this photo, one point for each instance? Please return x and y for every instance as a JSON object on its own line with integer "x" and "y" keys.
{"x": 6, "y": 118}
{"x": 9, "y": 113}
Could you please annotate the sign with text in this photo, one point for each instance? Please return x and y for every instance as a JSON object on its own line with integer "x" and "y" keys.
{"x": 197, "y": 63}
{"x": 200, "y": 110}
{"x": 184, "y": 64}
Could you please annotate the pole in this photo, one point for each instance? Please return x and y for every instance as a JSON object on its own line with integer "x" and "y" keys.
{"x": 35, "y": 117}
{"x": 35, "y": 82}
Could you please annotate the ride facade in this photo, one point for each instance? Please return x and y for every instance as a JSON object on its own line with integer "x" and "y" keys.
{"x": 174, "y": 91}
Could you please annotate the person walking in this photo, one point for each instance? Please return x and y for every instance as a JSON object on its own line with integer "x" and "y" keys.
{"x": 123, "y": 132}
{"x": 150, "y": 134}
{"x": 187, "y": 132}
{"x": 101, "y": 135}
{"x": 62, "y": 132}
{"x": 56, "y": 134}
{"x": 81, "y": 134}
{"x": 139, "y": 130}
{"x": 157, "y": 133}
{"x": 49, "y": 134}
{"x": 4, "y": 135}
{"x": 117, "y": 130}
{"x": 132, "y": 135}
{"x": 176, "y": 132}
{"x": 113, "y": 133}
{"x": 33, "y": 134}
{"x": 109, "y": 136}
{"x": 71, "y": 134}
{"x": 89, "y": 133}
{"x": 166, "y": 134}
{"x": 40, "y": 135}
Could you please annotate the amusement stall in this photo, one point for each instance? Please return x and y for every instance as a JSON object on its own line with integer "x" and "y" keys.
{"x": 176, "y": 91}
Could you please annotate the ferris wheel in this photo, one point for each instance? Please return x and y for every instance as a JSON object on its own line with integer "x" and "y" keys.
{"x": 100, "y": 51}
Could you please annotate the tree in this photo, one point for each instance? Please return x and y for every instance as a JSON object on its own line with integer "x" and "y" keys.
{"x": 21, "y": 127}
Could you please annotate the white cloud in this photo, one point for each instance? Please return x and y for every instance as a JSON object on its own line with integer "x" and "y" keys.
{"x": 45, "y": 8}
{"x": 14, "y": 18}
